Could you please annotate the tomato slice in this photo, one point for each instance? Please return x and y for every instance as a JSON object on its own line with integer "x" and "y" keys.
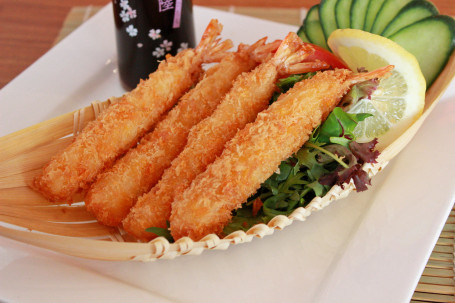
{"x": 326, "y": 56}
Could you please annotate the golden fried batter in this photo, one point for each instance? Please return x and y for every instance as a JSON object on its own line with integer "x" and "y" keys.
{"x": 117, "y": 189}
{"x": 120, "y": 126}
{"x": 256, "y": 151}
{"x": 249, "y": 96}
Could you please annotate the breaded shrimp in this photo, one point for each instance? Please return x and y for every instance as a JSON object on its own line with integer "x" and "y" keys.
{"x": 120, "y": 126}
{"x": 256, "y": 151}
{"x": 250, "y": 94}
{"x": 115, "y": 190}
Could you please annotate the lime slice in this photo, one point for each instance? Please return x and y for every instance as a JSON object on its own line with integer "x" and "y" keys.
{"x": 399, "y": 99}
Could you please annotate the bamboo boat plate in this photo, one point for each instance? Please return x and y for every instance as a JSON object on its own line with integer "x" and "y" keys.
{"x": 69, "y": 229}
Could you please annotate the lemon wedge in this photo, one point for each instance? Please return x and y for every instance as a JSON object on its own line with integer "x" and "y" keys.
{"x": 399, "y": 99}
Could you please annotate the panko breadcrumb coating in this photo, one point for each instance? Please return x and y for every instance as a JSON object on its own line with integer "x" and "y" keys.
{"x": 117, "y": 189}
{"x": 120, "y": 126}
{"x": 256, "y": 151}
{"x": 250, "y": 95}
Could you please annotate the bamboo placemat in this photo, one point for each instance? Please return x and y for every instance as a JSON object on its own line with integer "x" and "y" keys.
{"x": 437, "y": 281}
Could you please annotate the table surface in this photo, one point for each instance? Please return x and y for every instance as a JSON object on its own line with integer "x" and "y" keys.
{"x": 28, "y": 28}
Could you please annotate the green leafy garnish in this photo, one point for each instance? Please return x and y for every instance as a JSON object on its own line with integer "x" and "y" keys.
{"x": 285, "y": 84}
{"x": 161, "y": 232}
{"x": 244, "y": 220}
{"x": 359, "y": 91}
{"x": 338, "y": 128}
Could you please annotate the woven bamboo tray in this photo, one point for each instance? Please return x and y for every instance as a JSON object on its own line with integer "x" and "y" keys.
{"x": 29, "y": 218}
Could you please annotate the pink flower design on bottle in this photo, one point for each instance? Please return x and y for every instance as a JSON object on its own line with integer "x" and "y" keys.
{"x": 124, "y": 4}
{"x": 127, "y": 13}
{"x": 165, "y": 5}
{"x": 124, "y": 16}
{"x": 183, "y": 46}
{"x": 158, "y": 52}
{"x": 131, "y": 13}
{"x": 155, "y": 34}
{"x": 131, "y": 30}
{"x": 167, "y": 45}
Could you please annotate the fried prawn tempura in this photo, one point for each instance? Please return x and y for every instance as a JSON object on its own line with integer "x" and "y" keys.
{"x": 249, "y": 95}
{"x": 253, "y": 155}
{"x": 120, "y": 126}
{"x": 115, "y": 190}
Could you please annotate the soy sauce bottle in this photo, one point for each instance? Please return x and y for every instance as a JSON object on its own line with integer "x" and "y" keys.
{"x": 147, "y": 30}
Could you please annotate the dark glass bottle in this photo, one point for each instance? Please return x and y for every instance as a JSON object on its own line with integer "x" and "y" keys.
{"x": 147, "y": 30}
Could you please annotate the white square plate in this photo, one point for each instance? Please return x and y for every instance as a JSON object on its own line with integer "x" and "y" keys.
{"x": 369, "y": 247}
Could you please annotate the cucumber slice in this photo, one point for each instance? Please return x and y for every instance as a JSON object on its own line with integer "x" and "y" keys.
{"x": 372, "y": 11}
{"x": 312, "y": 27}
{"x": 327, "y": 16}
{"x": 434, "y": 46}
{"x": 413, "y": 11}
{"x": 388, "y": 11}
{"x": 302, "y": 35}
{"x": 343, "y": 13}
{"x": 358, "y": 13}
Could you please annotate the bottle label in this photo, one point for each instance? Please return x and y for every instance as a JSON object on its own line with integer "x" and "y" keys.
{"x": 177, "y": 14}
{"x": 165, "y": 5}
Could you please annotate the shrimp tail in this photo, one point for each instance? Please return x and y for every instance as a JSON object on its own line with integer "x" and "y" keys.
{"x": 212, "y": 31}
{"x": 306, "y": 67}
{"x": 210, "y": 47}
{"x": 291, "y": 51}
{"x": 290, "y": 58}
{"x": 245, "y": 48}
{"x": 382, "y": 72}
{"x": 264, "y": 52}
{"x": 218, "y": 51}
